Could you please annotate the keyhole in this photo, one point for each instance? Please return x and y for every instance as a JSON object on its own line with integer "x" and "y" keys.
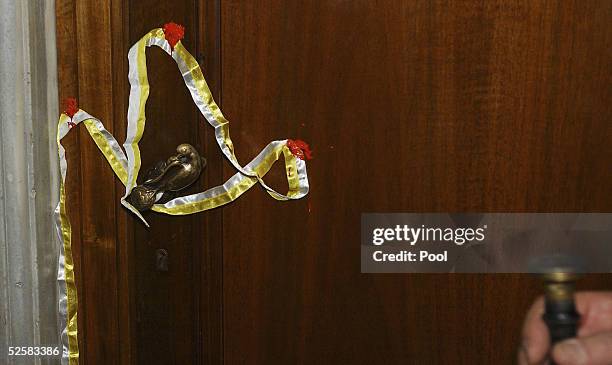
{"x": 161, "y": 259}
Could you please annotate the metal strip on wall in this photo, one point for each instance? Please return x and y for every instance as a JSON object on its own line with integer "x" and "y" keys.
{"x": 28, "y": 179}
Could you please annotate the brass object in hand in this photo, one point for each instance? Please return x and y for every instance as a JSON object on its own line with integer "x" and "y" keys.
{"x": 560, "y": 313}
{"x": 559, "y": 286}
{"x": 166, "y": 177}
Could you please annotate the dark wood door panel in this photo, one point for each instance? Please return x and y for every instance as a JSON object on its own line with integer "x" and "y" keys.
{"x": 167, "y": 327}
{"x": 409, "y": 106}
{"x": 130, "y": 312}
{"x": 85, "y": 64}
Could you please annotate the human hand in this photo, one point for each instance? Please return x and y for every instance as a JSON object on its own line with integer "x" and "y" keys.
{"x": 593, "y": 344}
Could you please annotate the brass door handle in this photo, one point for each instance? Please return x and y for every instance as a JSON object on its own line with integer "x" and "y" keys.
{"x": 166, "y": 177}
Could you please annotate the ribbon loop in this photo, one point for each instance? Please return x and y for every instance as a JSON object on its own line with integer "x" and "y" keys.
{"x": 126, "y": 165}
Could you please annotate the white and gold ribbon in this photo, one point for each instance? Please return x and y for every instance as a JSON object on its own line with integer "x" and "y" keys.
{"x": 126, "y": 165}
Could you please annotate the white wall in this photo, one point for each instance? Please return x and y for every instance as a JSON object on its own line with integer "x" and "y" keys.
{"x": 28, "y": 178}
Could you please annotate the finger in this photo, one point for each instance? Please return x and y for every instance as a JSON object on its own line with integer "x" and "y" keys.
{"x": 592, "y": 350}
{"x": 523, "y": 360}
{"x": 535, "y": 341}
{"x": 595, "y": 309}
{"x": 522, "y": 357}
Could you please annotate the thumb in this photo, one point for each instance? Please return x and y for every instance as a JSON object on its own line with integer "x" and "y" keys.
{"x": 592, "y": 350}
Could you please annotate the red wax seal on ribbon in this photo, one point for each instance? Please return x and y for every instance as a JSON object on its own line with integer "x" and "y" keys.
{"x": 299, "y": 149}
{"x": 71, "y": 107}
{"x": 173, "y": 33}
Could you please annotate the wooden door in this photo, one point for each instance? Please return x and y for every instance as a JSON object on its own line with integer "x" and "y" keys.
{"x": 129, "y": 311}
{"x": 410, "y": 106}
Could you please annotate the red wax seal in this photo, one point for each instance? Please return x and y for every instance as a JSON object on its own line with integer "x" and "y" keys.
{"x": 299, "y": 149}
{"x": 71, "y": 107}
{"x": 174, "y": 33}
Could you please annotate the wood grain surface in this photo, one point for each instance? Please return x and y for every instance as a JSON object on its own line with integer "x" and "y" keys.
{"x": 409, "y": 106}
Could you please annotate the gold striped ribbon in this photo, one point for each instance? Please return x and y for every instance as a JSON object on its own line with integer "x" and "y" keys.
{"x": 126, "y": 165}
